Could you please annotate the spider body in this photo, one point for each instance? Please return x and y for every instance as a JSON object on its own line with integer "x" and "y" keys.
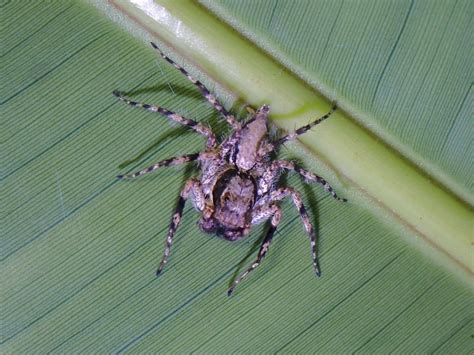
{"x": 237, "y": 187}
{"x": 233, "y": 197}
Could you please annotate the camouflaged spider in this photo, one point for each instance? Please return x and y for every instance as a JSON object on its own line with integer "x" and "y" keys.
{"x": 238, "y": 182}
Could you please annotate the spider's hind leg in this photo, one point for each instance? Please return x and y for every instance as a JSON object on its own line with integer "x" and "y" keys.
{"x": 192, "y": 187}
{"x": 261, "y": 214}
{"x": 279, "y": 195}
{"x": 278, "y": 165}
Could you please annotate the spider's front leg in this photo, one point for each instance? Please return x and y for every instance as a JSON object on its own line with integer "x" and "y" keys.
{"x": 305, "y": 128}
{"x": 259, "y": 215}
{"x": 204, "y": 91}
{"x": 192, "y": 187}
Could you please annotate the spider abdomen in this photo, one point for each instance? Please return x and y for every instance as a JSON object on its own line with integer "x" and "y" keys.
{"x": 234, "y": 196}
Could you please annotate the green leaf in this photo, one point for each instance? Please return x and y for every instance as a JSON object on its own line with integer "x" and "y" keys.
{"x": 79, "y": 248}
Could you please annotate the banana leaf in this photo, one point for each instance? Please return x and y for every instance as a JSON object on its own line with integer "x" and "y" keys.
{"x": 79, "y": 248}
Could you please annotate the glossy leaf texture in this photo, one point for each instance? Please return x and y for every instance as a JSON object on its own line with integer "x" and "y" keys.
{"x": 79, "y": 248}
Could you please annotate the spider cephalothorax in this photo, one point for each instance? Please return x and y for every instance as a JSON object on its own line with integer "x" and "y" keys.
{"x": 238, "y": 183}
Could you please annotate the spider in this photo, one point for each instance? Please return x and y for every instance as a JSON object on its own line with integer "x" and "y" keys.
{"x": 237, "y": 187}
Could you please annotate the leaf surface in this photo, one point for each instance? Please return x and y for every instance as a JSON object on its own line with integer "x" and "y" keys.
{"x": 79, "y": 248}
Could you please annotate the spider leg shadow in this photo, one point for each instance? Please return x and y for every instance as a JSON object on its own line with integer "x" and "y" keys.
{"x": 144, "y": 152}
{"x": 176, "y": 131}
{"x": 188, "y": 173}
{"x": 178, "y": 90}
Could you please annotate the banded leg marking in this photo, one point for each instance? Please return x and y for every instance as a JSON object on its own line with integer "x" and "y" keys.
{"x": 275, "y": 212}
{"x": 306, "y": 128}
{"x": 204, "y": 91}
{"x": 196, "y": 126}
{"x": 167, "y": 162}
{"x": 307, "y": 175}
{"x": 283, "y": 192}
{"x": 175, "y": 220}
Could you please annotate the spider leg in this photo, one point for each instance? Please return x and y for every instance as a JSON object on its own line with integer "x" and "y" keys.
{"x": 191, "y": 186}
{"x": 277, "y": 165}
{"x": 264, "y": 213}
{"x": 204, "y": 91}
{"x": 196, "y": 126}
{"x": 283, "y": 192}
{"x": 306, "y": 128}
{"x": 167, "y": 162}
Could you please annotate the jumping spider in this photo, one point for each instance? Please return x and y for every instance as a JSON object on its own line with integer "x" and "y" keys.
{"x": 238, "y": 183}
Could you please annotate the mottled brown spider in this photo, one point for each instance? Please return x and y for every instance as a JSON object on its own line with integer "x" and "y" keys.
{"x": 238, "y": 183}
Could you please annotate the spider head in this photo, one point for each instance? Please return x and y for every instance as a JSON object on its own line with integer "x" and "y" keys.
{"x": 264, "y": 110}
{"x": 208, "y": 225}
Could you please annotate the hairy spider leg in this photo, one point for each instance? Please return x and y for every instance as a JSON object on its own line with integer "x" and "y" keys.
{"x": 306, "y": 128}
{"x": 283, "y": 192}
{"x": 272, "y": 173}
{"x": 167, "y": 162}
{"x": 204, "y": 91}
{"x": 268, "y": 211}
{"x": 196, "y": 126}
{"x": 191, "y": 185}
